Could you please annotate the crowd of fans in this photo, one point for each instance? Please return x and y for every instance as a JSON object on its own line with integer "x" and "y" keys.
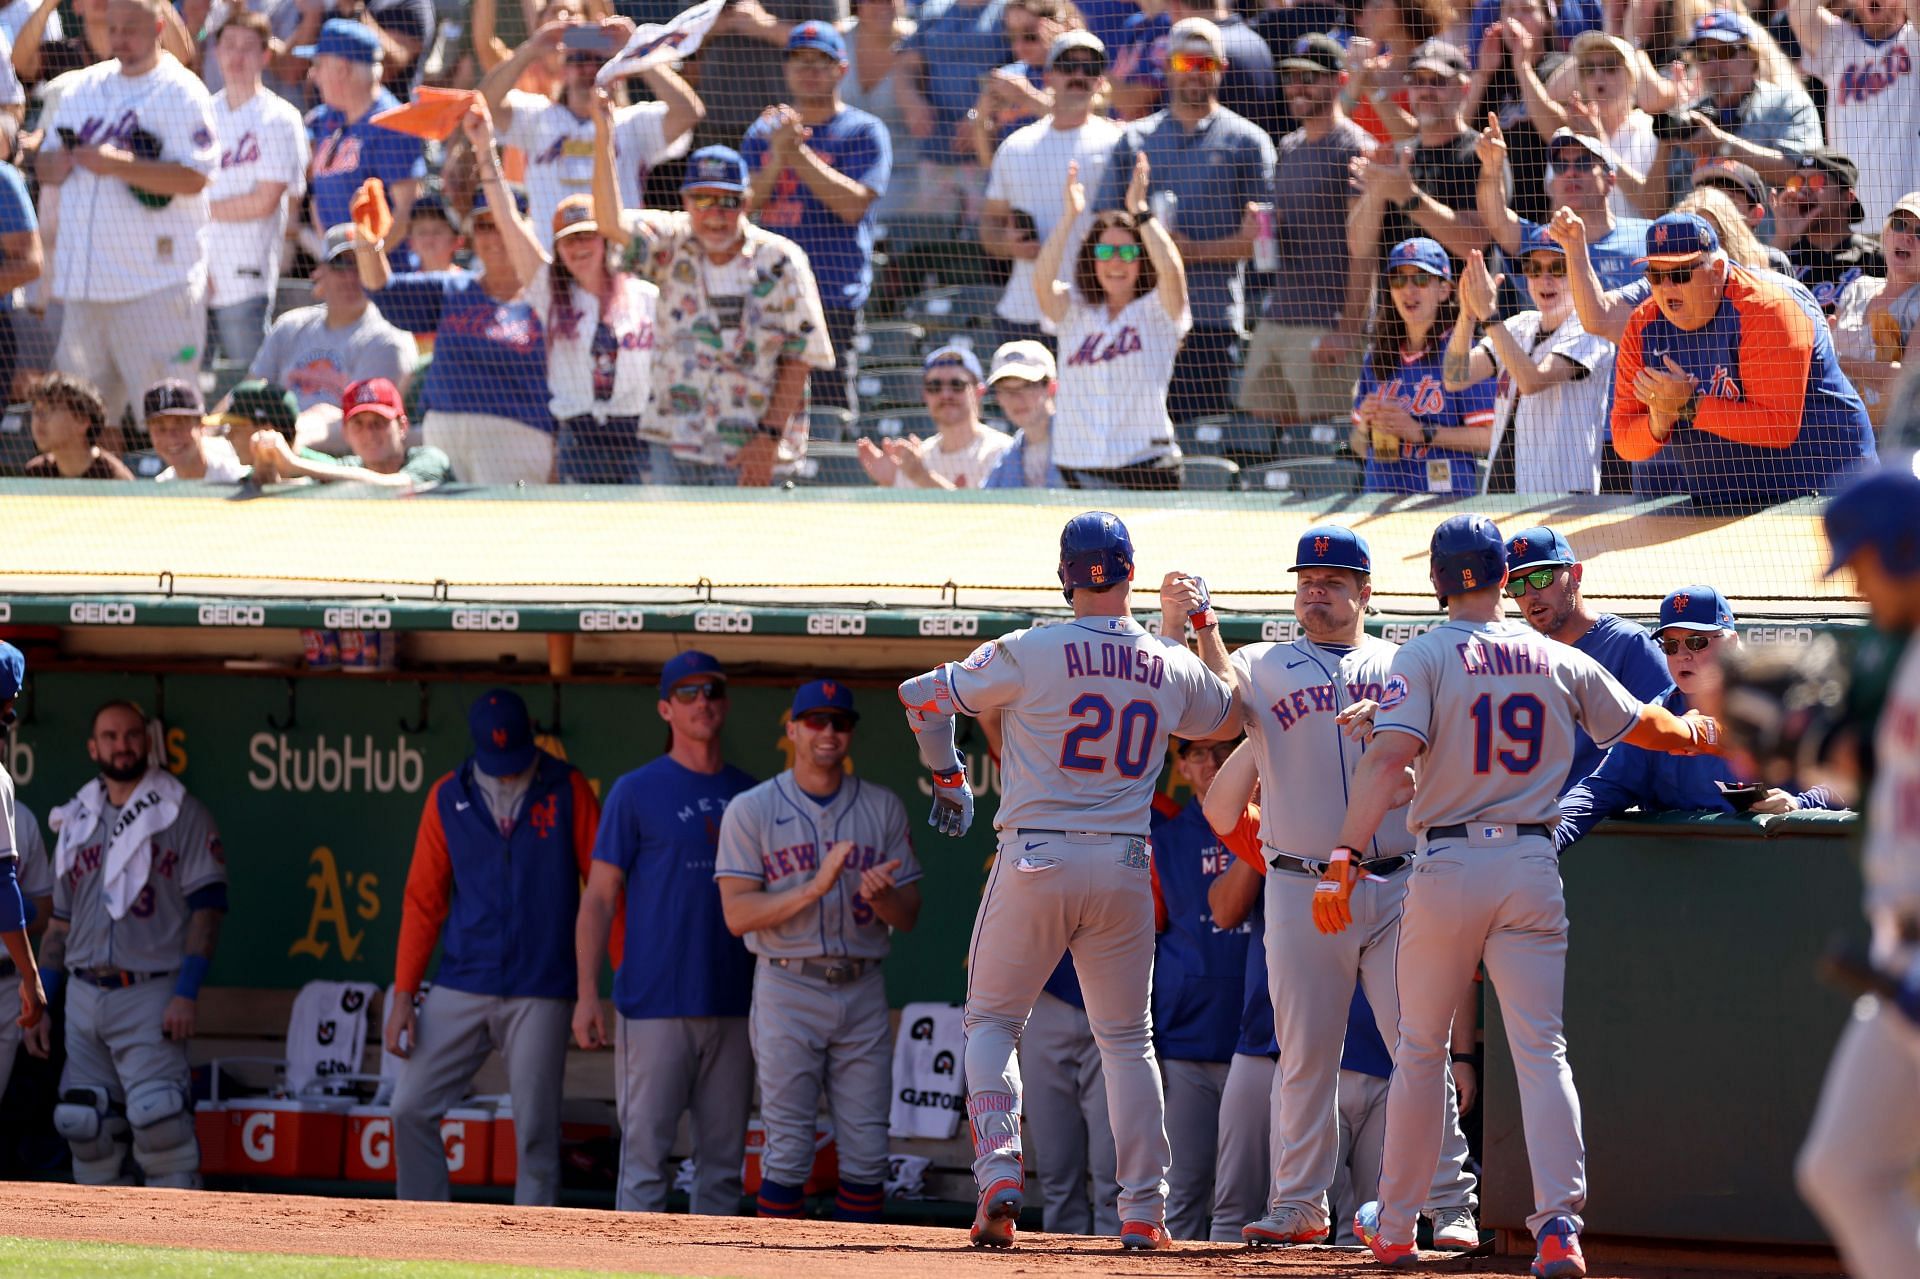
{"x": 1604, "y": 246}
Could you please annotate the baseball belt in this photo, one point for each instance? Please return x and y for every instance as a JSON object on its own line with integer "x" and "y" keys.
{"x": 834, "y": 972}
{"x": 1382, "y": 866}
{"x": 1460, "y": 831}
{"x": 114, "y": 978}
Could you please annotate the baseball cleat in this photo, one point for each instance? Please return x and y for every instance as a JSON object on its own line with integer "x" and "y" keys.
{"x": 1454, "y": 1229}
{"x": 1366, "y": 1228}
{"x": 1284, "y": 1226}
{"x": 1000, "y": 1206}
{"x": 1145, "y": 1236}
{"x": 1559, "y": 1256}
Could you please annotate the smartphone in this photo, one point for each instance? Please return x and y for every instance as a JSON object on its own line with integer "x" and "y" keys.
{"x": 68, "y": 138}
{"x": 1742, "y": 795}
{"x": 582, "y": 38}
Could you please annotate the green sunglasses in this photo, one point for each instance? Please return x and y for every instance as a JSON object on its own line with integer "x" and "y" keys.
{"x": 1540, "y": 579}
{"x": 1108, "y": 252}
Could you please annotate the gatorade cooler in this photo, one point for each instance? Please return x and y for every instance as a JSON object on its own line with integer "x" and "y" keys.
{"x": 506, "y": 1147}
{"x": 370, "y": 1144}
{"x": 210, "y": 1128}
{"x": 468, "y": 1137}
{"x": 823, "y": 1179}
{"x": 285, "y": 1137}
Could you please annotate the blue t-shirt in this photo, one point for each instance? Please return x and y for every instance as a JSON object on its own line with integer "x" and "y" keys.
{"x": 959, "y": 43}
{"x": 1010, "y": 472}
{"x": 1247, "y": 86}
{"x": 841, "y": 254}
{"x": 1630, "y": 656}
{"x": 1064, "y": 983}
{"x": 488, "y": 356}
{"x": 16, "y": 212}
{"x": 1365, "y": 1051}
{"x": 661, "y": 827}
{"x": 1258, "y": 1037}
{"x": 1198, "y": 970}
{"x": 1615, "y": 255}
{"x": 1418, "y": 388}
{"x": 345, "y": 155}
{"x": 1108, "y": 19}
{"x": 1574, "y": 17}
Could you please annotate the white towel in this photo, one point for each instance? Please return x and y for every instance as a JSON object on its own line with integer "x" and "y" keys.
{"x": 153, "y": 807}
{"x": 929, "y": 1076}
{"x": 326, "y": 1033}
{"x": 907, "y": 1176}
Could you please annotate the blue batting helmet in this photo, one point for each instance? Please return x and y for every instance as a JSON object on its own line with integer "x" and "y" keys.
{"x": 1467, "y": 554}
{"x": 1094, "y": 551}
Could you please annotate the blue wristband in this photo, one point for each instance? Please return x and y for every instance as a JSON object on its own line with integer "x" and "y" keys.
{"x": 51, "y": 980}
{"x": 193, "y": 971}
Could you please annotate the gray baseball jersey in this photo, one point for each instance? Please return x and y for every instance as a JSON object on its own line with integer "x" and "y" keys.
{"x": 1089, "y": 705}
{"x": 1292, "y": 693}
{"x": 1891, "y": 858}
{"x": 1496, "y": 704}
{"x": 152, "y": 937}
{"x": 775, "y": 834}
{"x": 36, "y": 868}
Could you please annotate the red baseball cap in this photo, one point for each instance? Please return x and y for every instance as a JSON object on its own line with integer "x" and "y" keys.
{"x": 373, "y": 395}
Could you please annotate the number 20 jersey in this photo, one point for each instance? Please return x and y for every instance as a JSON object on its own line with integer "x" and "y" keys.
{"x": 1494, "y": 703}
{"x": 1089, "y": 706}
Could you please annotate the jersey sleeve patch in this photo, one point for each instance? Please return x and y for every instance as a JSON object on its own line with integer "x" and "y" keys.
{"x": 979, "y": 657}
{"x": 1394, "y": 692}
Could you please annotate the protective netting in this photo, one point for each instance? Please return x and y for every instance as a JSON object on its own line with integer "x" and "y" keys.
{"x": 1664, "y": 254}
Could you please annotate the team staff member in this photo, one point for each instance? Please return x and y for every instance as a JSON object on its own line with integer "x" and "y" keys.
{"x": 1199, "y": 971}
{"x": 1696, "y": 630}
{"x": 504, "y": 842}
{"x": 815, "y": 869}
{"x": 25, "y": 887}
{"x": 1747, "y": 394}
{"x": 683, "y": 990}
{"x": 1544, "y": 577}
{"x": 140, "y": 888}
{"x": 1487, "y": 709}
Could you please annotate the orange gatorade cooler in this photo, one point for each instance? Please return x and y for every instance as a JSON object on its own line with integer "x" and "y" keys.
{"x": 369, "y": 1144}
{"x": 823, "y": 1178}
{"x": 506, "y": 1149}
{"x": 210, "y": 1128}
{"x": 468, "y": 1136}
{"x": 285, "y": 1137}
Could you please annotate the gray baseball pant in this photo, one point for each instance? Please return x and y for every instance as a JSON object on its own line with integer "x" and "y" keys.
{"x": 454, "y": 1033}
{"x": 1243, "y": 1169}
{"x": 1088, "y": 893}
{"x": 1363, "y": 1131}
{"x": 810, "y": 1037}
{"x": 115, "y": 1041}
{"x": 1493, "y": 898}
{"x": 1194, "y": 1090}
{"x": 1310, "y": 975}
{"x": 669, "y": 1066}
{"x": 1067, "y": 1120}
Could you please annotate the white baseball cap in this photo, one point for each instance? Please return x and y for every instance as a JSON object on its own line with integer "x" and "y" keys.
{"x": 1028, "y": 360}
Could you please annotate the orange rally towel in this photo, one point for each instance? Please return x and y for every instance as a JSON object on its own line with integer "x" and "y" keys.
{"x": 369, "y": 211}
{"x": 433, "y": 114}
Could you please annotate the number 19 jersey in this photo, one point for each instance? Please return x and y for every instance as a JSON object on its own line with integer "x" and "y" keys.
{"x": 1089, "y": 706}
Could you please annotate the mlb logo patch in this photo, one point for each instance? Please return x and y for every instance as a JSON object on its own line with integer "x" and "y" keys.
{"x": 1493, "y": 832}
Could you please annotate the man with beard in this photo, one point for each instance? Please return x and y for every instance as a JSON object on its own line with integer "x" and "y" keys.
{"x": 1304, "y": 354}
{"x": 1216, "y": 164}
{"x": 1544, "y": 578}
{"x": 1866, "y": 53}
{"x": 1813, "y": 220}
{"x": 816, "y": 869}
{"x": 140, "y": 888}
{"x": 1581, "y": 177}
{"x": 1743, "y": 117}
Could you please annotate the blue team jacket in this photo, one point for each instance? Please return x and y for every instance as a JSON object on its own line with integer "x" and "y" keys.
{"x": 1198, "y": 970}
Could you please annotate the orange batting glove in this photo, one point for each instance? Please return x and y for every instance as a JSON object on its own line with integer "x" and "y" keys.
{"x": 1333, "y": 895}
{"x": 1706, "y": 732}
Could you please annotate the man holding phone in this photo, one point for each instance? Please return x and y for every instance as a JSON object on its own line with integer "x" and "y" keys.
{"x": 557, "y": 135}
{"x": 1695, "y": 632}
{"x": 1741, "y": 116}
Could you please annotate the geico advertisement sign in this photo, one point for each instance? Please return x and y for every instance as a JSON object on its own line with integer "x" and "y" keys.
{"x": 486, "y": 619}
{"x": 612, "y": 619}
{"x": 356, "y": 764}
{"x": 357, "y": 619}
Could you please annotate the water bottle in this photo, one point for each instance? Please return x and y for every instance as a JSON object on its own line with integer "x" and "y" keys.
{"x": 1266, "y": 250}
{"x": 1166, "y": 206}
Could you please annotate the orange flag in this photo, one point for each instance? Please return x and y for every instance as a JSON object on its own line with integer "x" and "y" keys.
{"x": 433, "y": 114}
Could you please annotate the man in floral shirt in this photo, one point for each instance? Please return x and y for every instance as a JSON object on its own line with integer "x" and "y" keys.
{"x": 740, "y": 328}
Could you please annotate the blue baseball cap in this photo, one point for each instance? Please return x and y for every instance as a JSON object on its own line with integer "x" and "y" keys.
{"x": 1537, "y": 547}
{"x": 1330, "y": 546}
{"x": 1680, "y": 237}
{"x": 1882, "y": 510}
{"x": 823, "y": 695}
{"x": 1534, "y": 239}
{"x": 954, "y": 355}
{"x": 480, "y": 201}
{"x": 820, "y": 37}
{"x": 689, "y": 665}
{"x": 1695, "y": 608}
{"x": 13, "y": 671}
{"x": 1722, "y": 26}
{"x": 716, "y": 169}
{"x": 1423, "y": 253}
{"x": 1594, "y": 147}
{"x": 502, "y": 734}
{"x": 341, "y": 38}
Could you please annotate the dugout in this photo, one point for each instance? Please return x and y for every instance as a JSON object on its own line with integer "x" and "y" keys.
{"x": 1698, "y": 1034}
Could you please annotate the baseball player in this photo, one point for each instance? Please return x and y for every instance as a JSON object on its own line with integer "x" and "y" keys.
{"x": 1089, "y": 707}
{"x": 1484, "y": 709}
{"x": 504, "y": 841}
{"x": 1856, "y": 1169}
{"x": 140, "y": 888}
{"x": 21, "y": 863}
{"x": 684, "y": 983}
{"x": 1296, "y": 698}
{"x": 815, "y": 869}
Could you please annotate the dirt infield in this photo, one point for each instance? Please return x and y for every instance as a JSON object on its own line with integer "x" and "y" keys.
{"x": 625, "y": 1242}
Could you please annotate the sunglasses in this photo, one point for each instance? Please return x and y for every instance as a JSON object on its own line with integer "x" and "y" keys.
{"x": 1539, "y": 580}
{"x": 1087, "y": 67}
{"x": 935, "y": 385}
{"x": 1573, "y": 157}
{"x": 1534, "y": 268}
{"x": 1294, "y": 79}
{"x": 1694, "y": 643}
{"x": 1671, "y": 275}
{"x": 1717, "y": 52}
{"x": 821, "y": 721}
{"x": 1901, "y": 224}
{"x": 1108, "y": 252}
{"x": 713, "y": 200}
{"x": 1220, "y": 751}
{"x": 1599, "y": 68}
{"x": 1186, "y": 63}
{"x": 1431, "y": 83}
{"x": 1411, "y": 279}
{"x": 711, "y": 689}
{"x": 1812, "y": 183}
